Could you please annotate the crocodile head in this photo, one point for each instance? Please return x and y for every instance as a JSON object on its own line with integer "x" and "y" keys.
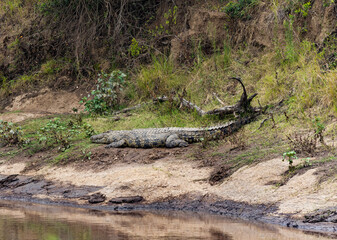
{"x": 99, "y": 138}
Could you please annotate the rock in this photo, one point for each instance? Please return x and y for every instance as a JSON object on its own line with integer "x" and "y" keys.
{"x": 81, "y": 192}
{"x": 31, "y": 188}
{"x": 322, "y": 215}
{"x": 5, "y": 182}
{"x": 23, "y": 182}
{"x": 292, "y": 224}
{"x": 133, "y": 199}
{"x": 97, "y": 198}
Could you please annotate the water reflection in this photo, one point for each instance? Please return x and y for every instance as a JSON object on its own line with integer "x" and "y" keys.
{"x": 30, "y": 221}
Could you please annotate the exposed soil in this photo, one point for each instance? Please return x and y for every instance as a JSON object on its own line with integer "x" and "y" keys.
{"x": 172, "y": 180}
{"x": 261, "y": 31}
{"x": 102, "y": 157}
{"x": 41, "y": 103}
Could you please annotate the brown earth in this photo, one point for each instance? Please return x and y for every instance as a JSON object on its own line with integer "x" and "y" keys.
{"x": 177, "y": 183}
{"x": 41, "y": 103}
{"x": 266, "y": 26}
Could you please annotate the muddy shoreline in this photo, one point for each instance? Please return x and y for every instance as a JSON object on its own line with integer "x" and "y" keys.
{"x": 38, "y": 190}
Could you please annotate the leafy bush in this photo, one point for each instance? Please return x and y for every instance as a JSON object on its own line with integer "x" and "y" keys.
{"x": 58, "y": 133}
{"x": 290, "y": 156}
{"x": 330, "y": 52}
{"x": 10, "y": 135}
{"x": 134, "y": 49}
{"x": 327, "y": 3}
{"x": 106, "y": 96}
{"x": 304, "y": 9}
{"x": 78, "y": 120}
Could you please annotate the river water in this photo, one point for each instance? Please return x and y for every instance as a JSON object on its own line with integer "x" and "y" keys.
{"x": 27, "y": 221}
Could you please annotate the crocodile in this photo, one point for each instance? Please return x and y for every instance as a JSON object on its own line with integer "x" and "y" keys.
{"x": 166, "y": 137}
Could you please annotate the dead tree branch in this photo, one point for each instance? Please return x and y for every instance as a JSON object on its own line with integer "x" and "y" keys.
{"x": 243, "y": 106}
{"x": 217, "y": 98}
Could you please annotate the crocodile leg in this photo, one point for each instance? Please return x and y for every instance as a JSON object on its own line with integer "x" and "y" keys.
{"x": 175, "y": 141}
{"x": 120, "y": 143}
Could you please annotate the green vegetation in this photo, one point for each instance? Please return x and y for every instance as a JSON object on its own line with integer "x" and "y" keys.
{"x": 304, "y": 9}
{"x": 59, "y": 133}
{"x": 50, "y": 67}
{"x": 290, "y": 156}
{"x": 239, "y": 8}
{"x": 160, "y": 78}
{"x": 11, "y": 5}
{"x": 10, "y": 134}
{"x": 155, "y": 116}
{"x": 166, "y": 28}
{"x": 107, "y": 95}
{"x": 135, "y": 50}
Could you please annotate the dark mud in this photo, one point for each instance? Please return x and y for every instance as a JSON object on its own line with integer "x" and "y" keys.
{"x": 322, "y": 215}
{"x": 25, "y": 189}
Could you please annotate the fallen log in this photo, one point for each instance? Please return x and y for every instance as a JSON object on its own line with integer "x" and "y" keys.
{"x": 242, "y": 106}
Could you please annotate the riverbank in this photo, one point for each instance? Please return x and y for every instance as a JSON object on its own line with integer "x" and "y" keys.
{"x": 241, "y": 176}
{"x": 175, "y": 182}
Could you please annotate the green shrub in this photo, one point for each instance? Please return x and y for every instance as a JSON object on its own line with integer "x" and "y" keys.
{"x": 3, "y": 81}
{"x": 11, "y": 5}
{"x": 107, "y": 94}
{"x": 58, "y": 133}
{"x": 303, "y": 9}
{"x": 10, "y": 134}
{"x": 327, "y": 3}
{"x": 134, "y": 49}
{"x": 14, "y": 44}
{"x": 50, "y": 67}
{"x": 290, "y": 156}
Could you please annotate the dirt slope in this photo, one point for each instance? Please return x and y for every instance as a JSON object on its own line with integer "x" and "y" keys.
{"x": 41, "y": 103}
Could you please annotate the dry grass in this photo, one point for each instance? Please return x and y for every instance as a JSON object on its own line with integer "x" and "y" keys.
{"x": 304, "y": 84}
